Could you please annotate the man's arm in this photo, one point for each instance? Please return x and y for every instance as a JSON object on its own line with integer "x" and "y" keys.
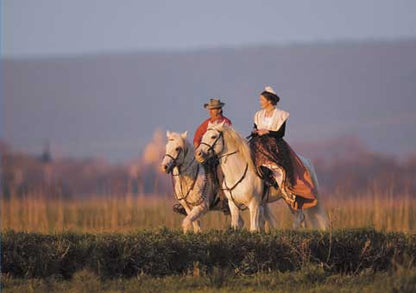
{"x": 199, "y": 133}
{"x": 228, "y": 121}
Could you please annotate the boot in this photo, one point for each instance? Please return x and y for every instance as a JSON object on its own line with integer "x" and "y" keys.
{"x": 179, "y": 209}
{"x": 225, "y": 207}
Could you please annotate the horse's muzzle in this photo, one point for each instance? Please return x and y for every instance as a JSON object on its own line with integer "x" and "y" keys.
{"x": 200, "y": 157}
{"x": 167, "y": 168}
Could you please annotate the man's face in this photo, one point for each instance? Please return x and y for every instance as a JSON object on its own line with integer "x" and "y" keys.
{"x": 214, "y": 113}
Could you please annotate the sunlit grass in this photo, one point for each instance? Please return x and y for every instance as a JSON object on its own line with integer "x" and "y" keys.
{"x": 126, "y": 213}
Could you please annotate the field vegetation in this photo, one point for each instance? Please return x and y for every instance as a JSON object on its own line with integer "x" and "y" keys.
{"x": 35, "y": 213}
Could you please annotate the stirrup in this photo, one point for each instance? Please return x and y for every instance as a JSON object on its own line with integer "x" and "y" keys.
{"x": 271, "y": 182}
{"x": 221, "y": 204}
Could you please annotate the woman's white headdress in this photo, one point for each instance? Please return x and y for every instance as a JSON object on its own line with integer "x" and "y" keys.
{"x": 269, "y": 89}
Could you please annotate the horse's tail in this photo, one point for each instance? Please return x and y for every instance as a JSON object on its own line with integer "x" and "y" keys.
{"x": 316, "y": 217}
{"x": 270, "y": 217}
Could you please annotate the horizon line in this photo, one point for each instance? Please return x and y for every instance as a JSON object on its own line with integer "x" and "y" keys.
{"x": 200, "y": 49}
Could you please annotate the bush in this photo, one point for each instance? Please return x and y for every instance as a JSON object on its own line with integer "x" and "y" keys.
{"x": 166, "y": 252}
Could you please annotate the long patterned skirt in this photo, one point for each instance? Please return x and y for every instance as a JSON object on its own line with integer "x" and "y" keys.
{"x": 267, "y": 150}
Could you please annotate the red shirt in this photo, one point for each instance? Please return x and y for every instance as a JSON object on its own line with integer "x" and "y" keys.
{"x": 199, "y": 133}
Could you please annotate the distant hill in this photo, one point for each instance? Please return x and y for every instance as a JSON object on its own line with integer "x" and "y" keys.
{"x": 110, "y": 105}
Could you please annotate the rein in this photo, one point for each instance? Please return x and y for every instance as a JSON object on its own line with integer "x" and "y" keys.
{"x": 175, "y": 163}
{"x": 230, "y": 190}
{"x": 226, "y": 156}
{"x": 211, "y": 147}
{"x": 180, "y": 172}
{"x": 192, "y": 186}
{"x": 241, "y": 207}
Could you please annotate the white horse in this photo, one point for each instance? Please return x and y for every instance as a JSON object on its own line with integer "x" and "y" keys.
{"x": 191, "y": 188}
{"x": 242, "y": 185}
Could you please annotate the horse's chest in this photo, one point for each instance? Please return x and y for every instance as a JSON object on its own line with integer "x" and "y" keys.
{"x": 189, "y": 187}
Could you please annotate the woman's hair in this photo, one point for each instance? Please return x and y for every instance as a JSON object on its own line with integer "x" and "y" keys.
{"x": 274, "y": 99}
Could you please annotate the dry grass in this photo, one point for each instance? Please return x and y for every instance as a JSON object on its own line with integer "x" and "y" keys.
{"x": 35, "y": 213}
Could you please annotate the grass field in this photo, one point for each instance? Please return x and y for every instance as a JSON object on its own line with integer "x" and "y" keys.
{"x": 307, "y": 280}
{"x": 382, "y": 211}
{"x": 162, "y": 260}
{"x": 134, "y": 244}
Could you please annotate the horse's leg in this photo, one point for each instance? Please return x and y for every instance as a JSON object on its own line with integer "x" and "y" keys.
{"x": 262, "y": 217}
{"x": 186, "y": 225}
{"x": 317, "y": 218}
{"x": 298, "y": 219}
{"x": 269, "y": 217}
{"x": 240, "y": 221}
{"x": 254, "y": 207}
{"x": 236, "y": 221}
{"x": 193, "y": 218}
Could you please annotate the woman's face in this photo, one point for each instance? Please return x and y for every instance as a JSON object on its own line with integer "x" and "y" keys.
{"x": 264, "y": 103}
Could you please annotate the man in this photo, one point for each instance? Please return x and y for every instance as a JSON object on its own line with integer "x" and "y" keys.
{"x": 214, "y": 107}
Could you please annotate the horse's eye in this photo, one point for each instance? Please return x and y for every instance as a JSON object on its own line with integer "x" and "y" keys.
{"x": 177, "y": 149}
{"x": 212, "y": 137}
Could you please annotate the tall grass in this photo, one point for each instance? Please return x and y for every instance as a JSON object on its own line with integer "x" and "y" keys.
{"x": 126, "y": 213}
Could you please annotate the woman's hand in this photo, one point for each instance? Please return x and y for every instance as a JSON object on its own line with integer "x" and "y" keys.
{"x": 262, "y": 132}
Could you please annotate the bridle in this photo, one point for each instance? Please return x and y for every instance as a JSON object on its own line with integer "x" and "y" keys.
{"x": 211, "y": 149}
{"x": 175, "y": 164}
{"x": 175, "y": 160}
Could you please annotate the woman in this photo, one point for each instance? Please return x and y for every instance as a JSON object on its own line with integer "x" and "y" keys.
{"x": 274, "y": 158}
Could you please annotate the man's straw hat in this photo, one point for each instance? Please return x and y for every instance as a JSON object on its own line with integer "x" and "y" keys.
{"x": 214, "y": 104}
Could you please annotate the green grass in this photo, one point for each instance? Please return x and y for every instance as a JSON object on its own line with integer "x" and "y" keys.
{"x": 309, "y": 279}
{"x": 362, "y": 260}
{"x": 165, "y": 253}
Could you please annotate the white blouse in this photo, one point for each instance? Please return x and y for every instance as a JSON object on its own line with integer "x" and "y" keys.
{"x": 274, "y": 122}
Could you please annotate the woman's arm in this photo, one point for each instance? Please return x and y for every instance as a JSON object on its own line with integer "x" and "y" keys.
{"x": 279, "y": 125}
{"x": 277, "y": 134}
{"x": 254, "y": 130}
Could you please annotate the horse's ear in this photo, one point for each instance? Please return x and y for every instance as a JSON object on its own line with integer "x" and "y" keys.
{"x": 168, "y": 134}
{"x": 222, "y": 123}
{"x": 185, "y": 134}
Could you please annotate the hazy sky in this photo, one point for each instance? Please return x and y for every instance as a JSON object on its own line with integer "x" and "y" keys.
{"x": 43, "y": 27}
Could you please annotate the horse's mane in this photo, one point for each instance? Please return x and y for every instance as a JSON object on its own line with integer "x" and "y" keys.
{"x": 235, "y": 141}
{"x": 189, "y": 146}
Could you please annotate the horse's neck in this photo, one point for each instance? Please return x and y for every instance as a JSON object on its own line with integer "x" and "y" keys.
{"x": 188, "y": 169}
{"x": 187, "y": 177}
{"x": 232, "y": 164}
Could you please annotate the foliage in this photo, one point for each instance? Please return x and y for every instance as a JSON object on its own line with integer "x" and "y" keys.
{"x": 165, "y": 252}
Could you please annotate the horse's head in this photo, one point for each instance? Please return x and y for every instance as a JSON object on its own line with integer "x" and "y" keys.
{"x": 212, "y": 143}
{"x": 175, "y": 151}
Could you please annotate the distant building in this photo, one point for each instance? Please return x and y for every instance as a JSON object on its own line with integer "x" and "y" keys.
{"x": 46, "y": 156}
